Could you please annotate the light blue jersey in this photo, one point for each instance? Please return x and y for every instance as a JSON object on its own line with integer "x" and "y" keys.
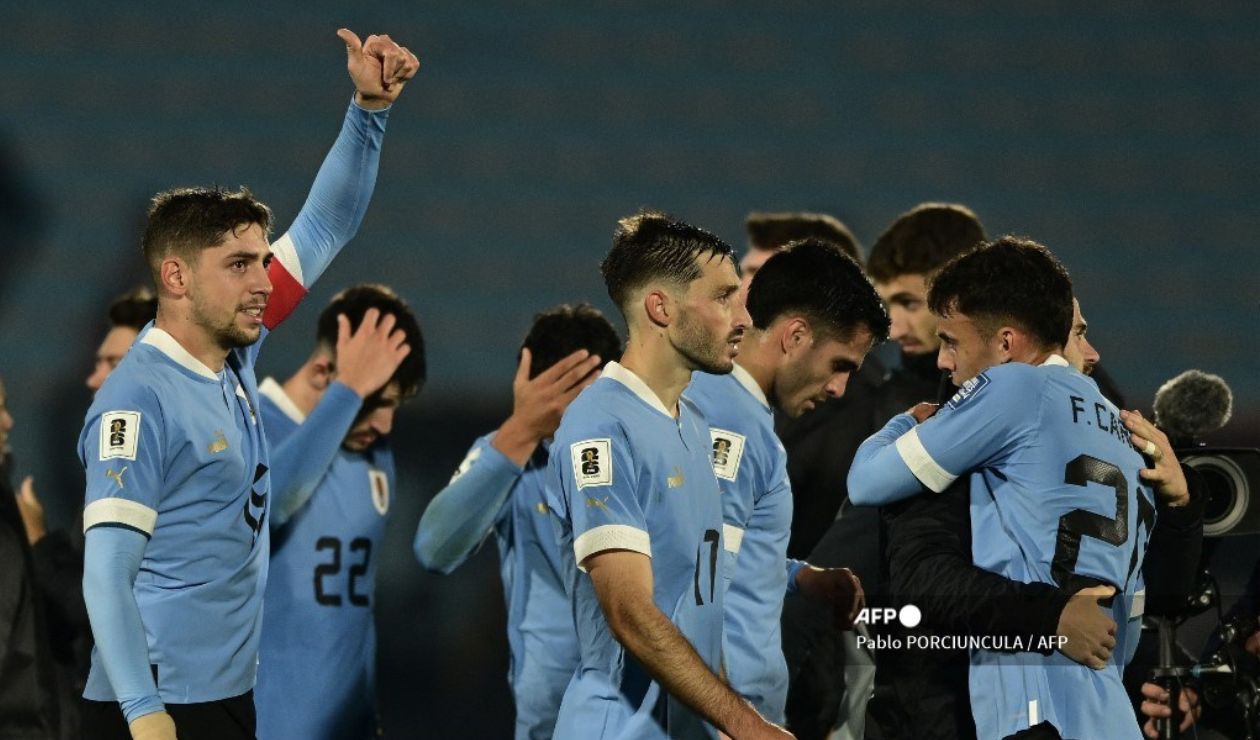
{"x": 178, "y": 478}
{"x": 175, "y": 451}
{"x": 1055, "y": 498}
{"x": 317, "y": 660}
{"x": 751, "y": 467}
{"x": 491, "y": 493}
{"x": 626, "y": 475}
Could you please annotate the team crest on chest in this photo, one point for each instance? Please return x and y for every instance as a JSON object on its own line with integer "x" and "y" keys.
{"x": 379, "y": 484}
{"x": 728, "y": 450}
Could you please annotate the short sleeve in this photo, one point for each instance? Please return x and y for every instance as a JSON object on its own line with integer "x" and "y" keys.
{"x": 599, "y": 481}
{"x": 122, "y": 450}
{"x": 979, "y": 426}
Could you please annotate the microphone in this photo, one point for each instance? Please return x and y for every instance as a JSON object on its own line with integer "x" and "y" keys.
{"x": 1191, "y": 405}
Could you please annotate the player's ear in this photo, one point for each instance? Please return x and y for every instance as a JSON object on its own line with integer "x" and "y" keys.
{"x": 175, "y": 275}
{"x": 323, "y": 372}
{"x": 1009, "y": 342}
{"x": 659, "y": 308}
{"x": 795, "y": 335}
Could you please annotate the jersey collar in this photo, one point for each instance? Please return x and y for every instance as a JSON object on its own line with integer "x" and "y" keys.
{"x": 167, "y": 345}
{"x": 746, "y": 379}
{"x": 1056, "y": 359}
{"x": 618, "y": 372}
{"x": 269, "y": 388}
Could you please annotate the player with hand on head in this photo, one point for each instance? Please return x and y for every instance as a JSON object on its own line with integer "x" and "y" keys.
{"x": 177, "y": 465}
{"x": 332, "y": 479}
{"x": 638, "y": 508}
{"x": 499, "y": 490}
{"x": 1057, "y": 485}
{"x": 814, "y": 318}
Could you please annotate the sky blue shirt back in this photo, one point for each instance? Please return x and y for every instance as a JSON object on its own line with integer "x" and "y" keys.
{"x": 625, "y": 474}
{"x": 1055, "y": 498}
{"x": 751, "y": 466}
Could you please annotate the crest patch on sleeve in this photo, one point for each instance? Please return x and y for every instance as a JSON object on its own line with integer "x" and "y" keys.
{"x": 592, "y": 462}
{"x": 728, "y": 450}
{"x": 120, "y": 434}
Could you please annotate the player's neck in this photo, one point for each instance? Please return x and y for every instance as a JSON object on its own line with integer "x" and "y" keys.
{"x": 301, "y": 391}
{"x": 758, "y": 358}
{"x": 195, "y": 340}
{"x": 660, "y": 367}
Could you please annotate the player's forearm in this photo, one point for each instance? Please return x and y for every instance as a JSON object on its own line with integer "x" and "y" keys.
{"x": 459, "y": 516}
{"x": 303, "y": 458}
{"x": 878, "y": 475}
{"x": 332, "y": 213}
{"x": 111, "y": 561}
{"x": 670, "y": 659}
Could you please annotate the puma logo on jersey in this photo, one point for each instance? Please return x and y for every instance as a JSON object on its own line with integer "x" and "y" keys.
{"x": 598, "y": 503}
{"x": 219, "y": 444}
{"x": 117, "y": 477}
{"x": 675, "y": 480}
{"x": 541, "y": 507}
{"x": 380, "y": 490}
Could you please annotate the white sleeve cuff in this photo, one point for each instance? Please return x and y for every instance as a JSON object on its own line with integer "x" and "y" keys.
{"x": 119, "y": 511}
{"x": 610, "y": 537}
{"x": 916, "y": 457}
{"x": 732, "y": 538}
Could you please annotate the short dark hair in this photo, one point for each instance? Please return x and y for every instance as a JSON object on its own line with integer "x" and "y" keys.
{"x": 1009, "y": 281}
{"x": 923, "y": 239}
{"x": 777, "y": 230}
{"x": 133, "y": 309}
{"x": 184, "y": 221}
{"x": 816, "y": 279}
{"x": 562, "y": 330}
{"x": 652, "y": 245}
{"x": 354, "y": 302}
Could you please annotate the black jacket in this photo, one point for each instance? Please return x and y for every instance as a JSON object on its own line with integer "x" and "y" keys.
{"x": 28, "y": 687}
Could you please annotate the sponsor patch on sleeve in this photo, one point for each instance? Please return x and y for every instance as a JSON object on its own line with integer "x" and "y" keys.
{"x": 728, "y": 450}
{"x": 592, "y": 462}
{"x": 969, "y": 390}
{"x": 120, "y": 434}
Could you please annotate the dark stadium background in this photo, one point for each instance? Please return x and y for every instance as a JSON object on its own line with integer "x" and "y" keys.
{"x": 1126, "y": 136}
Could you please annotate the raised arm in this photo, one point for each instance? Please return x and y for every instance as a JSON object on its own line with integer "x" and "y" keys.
{"x": 365, "y": 361}
{"x": 622, "y": 581}
{"x": 458, "y": 518}
{"x": 343, "y": 187}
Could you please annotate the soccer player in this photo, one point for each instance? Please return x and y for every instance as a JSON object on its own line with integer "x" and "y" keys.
{"x": 814, "y": 318}
{"x": 176, "y": 462}
{"x": 332, "y": 481}
{"x": 1058, "y": 489}
{"x": 499, "y": 489}
{"x": 638, "y": 506}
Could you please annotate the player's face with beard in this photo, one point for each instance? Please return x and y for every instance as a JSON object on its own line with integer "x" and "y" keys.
{"x": 818, "y": 369}
{"x": 230, "y": 288}
{"x": 965, "y": 349}
{"x": 375, "y": 420}
{"x": 711, "y": 318}
{"x": 1079, "y": 353}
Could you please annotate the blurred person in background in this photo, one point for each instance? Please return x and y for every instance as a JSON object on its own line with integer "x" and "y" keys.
{"x": 30, "y": 702}
{"x": 498, "y": 489}
{"x": 332, "y": 481}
